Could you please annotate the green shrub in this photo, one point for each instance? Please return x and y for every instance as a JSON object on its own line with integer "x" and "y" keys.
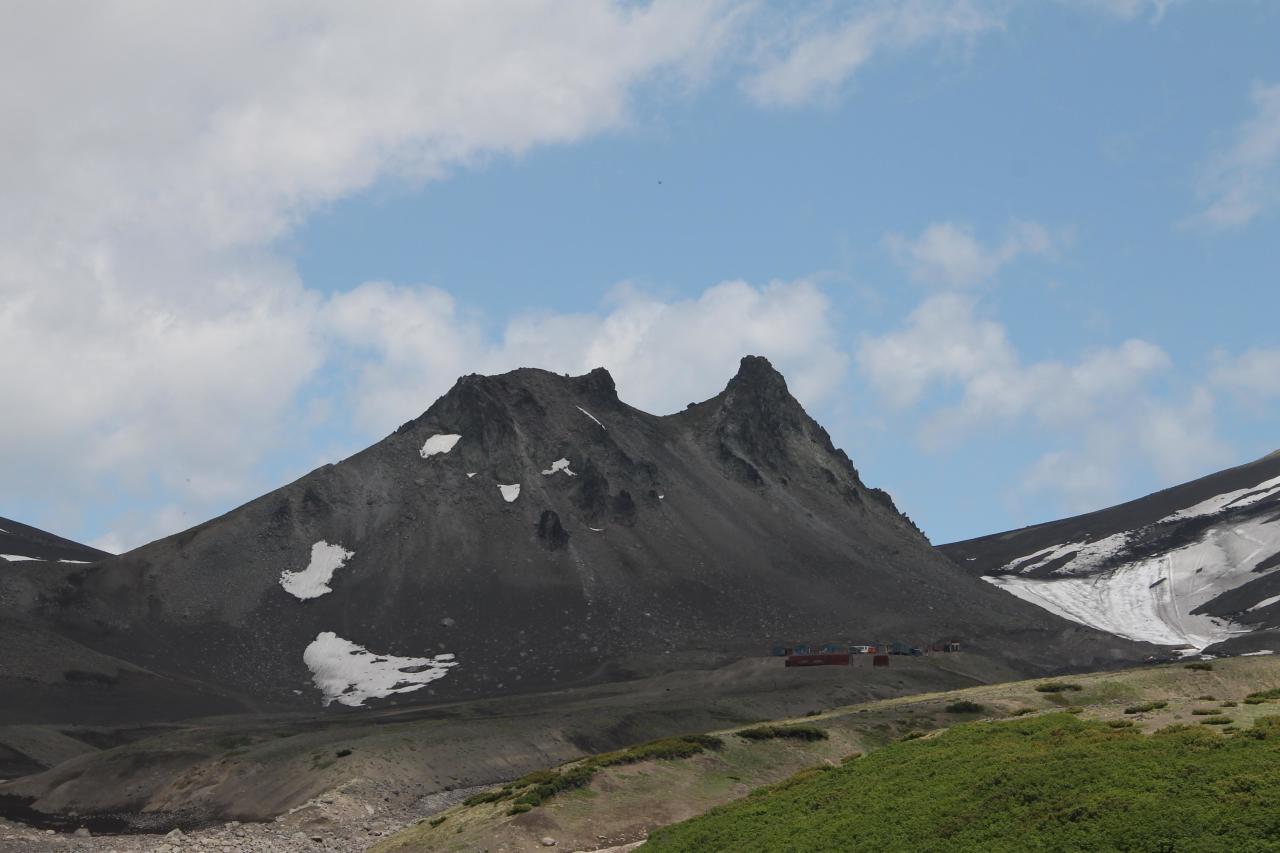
{"x": 1254, "y": 700}
{"x": 1022, "y": 712}
{"x": 1273, "y": 693}
{"x": 1120, "y": 724}
{"x": 1203, "y": 712}
{"x": 1228, "y": 704}
{"x": 1204, "y": 666}
{"x": 1057, "y": 687}
{"x": 493, "y": 795}
{"x": 667, "y": 748}
{"x": 1221, "y": 720}
{"x": 1144, "y": 707}
{"x": 1075, "y": 709}
{"x": 809, "y": 733}
{"x": 518, "y": 808}
{"x": 1205, "y": 699}
{"x": 964, "y": 706}
{"x": 436, "y": 821}
{"x": 912, "y": 735}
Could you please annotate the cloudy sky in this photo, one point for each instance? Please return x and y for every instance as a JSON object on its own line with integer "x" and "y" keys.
{"x": 1019, "y": 257}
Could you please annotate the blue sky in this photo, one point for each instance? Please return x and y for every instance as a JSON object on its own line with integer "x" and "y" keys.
{"x": 1018, "y": 258}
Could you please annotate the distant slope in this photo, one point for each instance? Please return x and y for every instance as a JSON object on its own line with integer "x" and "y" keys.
{"x": 532, "y": 531}
{"x": 21, "y": 542}
{"x": 1195, "y": 564}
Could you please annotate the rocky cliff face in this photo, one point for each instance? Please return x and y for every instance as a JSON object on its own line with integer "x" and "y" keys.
{"x": 531, "y": 531}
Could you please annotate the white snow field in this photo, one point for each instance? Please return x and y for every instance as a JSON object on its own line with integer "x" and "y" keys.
{"x": 593, "y": 417}
{"x": 1230, "y": 500}
{"x": 560, "y": 465}
{"x": 17, "y": 558}
{"x": 509, "y": 493}
{"x": 1152, "y": 599}
{"x": 351, "y": 674}
{"x": 438, "y": 444}
{"x": 313, "y": 581}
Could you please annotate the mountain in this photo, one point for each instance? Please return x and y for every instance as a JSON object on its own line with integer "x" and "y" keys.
{"x": 21, "y": 542}
{"x": 531, "y": 531}
{"x": 1193, "y": 565}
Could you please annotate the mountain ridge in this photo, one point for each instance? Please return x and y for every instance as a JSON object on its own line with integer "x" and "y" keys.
{"x": 532, "y": 531}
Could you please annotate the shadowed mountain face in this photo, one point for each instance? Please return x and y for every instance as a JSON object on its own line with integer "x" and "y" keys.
{"x": 22, "y": 543}
{"x": 1195, "y": 564}
{"x": 532, "y": 531}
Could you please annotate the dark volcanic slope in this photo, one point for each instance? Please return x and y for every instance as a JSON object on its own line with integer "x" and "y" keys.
{"x": 686, "y": 539}
{"x": 1195, "y": 563}
{"x": 21, "y": 540}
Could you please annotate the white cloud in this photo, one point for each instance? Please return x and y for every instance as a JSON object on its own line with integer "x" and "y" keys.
{"x": 945, "y": 344}
{"x": 1078, "y": 481}
{"x": 960, "y": 375}
{"x": 949, "y": 255}
{"x": 815, "y": 59}
{"x": 1126, "y": 10}
{"x": 413, "y": 342}
{"x": 1243, "y": 180}
{"x": 1253, "y": 376}
{"x": 152, "y": 155}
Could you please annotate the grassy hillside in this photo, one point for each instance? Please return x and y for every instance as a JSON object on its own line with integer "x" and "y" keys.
{"x": 1053, "y": 782}
{"x": 611, "y": 803}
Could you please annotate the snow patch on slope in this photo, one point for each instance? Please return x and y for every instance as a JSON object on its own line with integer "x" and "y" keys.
{"x": 509, "y": 492}
{"x": 17, "y": 558}
{"x": 560, "y": 465}
{"x": 438, "y": 444}
{"x": 1228, "y": 501}
{"x": 313, "y": 581}
{"x": 1087, "y": 555}
{"x": 1152, "y": 599}
{"x": 593, "y": 417}
{"x": 351, "y": 674}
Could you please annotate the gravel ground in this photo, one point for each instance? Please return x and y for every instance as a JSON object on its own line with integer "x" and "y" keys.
{"x": 348, "y": 818}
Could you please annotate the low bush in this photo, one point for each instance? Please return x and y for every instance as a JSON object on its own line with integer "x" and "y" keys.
{"x": 1228, "y": 704}
{"x": 1274, "y": 693}
{"x": 964, "y": 706}
{"x": 519, "y": 808}
{"x": 1057, "y": 687}
{"x": 683, "y": 746}
{"x": 809, "y": 733}
{"x": 1203, "y": 712}
{"x": 1144, "y": 707}
{"x": 1221, "y": 720}
{"x": 912, "y": 735}
{"x": 1254, "y": 700}
{"x": 1022, "y": 712}
{"x": 1120, "y": 724}
{"x": 491, "y": 796}
{"x": 436, "y": 821}
{"x": 1203, "y": 666}
{"x": 1205, "y": 699}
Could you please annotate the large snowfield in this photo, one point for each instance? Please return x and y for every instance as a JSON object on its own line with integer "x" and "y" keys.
{"x": 1152, "y": 599}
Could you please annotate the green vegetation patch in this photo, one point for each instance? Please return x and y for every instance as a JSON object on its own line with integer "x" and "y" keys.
{"x": 1264, "y": 695}
{"x": 964, "y": 706}
{"x": 1054, "y": 782}
{"x": 1204, "y": 666}
{"x": 533, "y": 789}
{"x": 808, "y": 733}
{"x": 1057, "y": 687}
{"x": 1144, "y": 707}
